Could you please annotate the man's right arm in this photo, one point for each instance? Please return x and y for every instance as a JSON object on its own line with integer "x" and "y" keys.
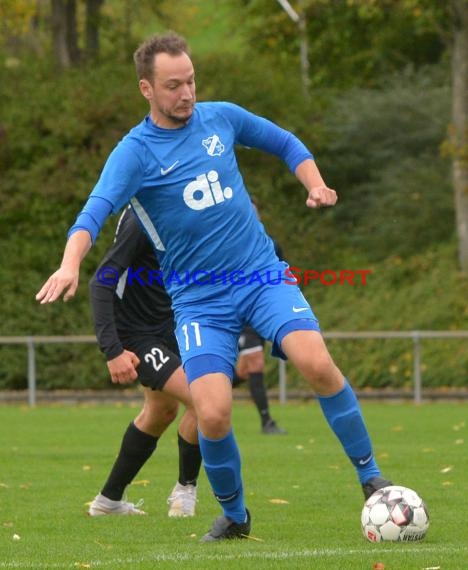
{"x": 123, "y": 165}
{"x": 65, "y": 279}
{"x": 81, "y": 236}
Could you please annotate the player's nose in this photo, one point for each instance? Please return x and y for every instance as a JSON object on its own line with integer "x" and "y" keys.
{"x": 187, "y": 93}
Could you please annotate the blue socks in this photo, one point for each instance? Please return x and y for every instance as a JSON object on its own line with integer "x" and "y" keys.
{"x": 343, "y": 413}
{"x": 222, "y": 463}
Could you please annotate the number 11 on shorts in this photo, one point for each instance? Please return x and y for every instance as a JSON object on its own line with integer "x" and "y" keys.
{"x": 196, "y": 332}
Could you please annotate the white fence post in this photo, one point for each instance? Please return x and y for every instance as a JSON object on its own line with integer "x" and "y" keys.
{"x": 283, "y": 397}
{"x": 417, "y": 380}
{"x": 31, "y": 372}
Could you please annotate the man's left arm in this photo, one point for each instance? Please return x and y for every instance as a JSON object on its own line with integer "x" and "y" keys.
{"x": 258, "y": 132}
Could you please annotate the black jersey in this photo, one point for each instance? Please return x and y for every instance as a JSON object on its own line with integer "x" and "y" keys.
{"x": 126, "y": 298}
{"x": 278, "y": 250}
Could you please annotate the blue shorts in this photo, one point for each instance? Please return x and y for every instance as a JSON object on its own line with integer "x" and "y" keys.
{"x": 207, "y": 332}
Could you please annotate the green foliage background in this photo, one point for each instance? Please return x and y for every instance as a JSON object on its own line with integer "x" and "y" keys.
{"x": 376, "y": 136}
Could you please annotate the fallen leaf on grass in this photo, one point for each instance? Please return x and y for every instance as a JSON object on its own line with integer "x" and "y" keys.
{"x": 279, "y": 502}
{"x": 250, "y": 537}
{"x": 143, "y": 482}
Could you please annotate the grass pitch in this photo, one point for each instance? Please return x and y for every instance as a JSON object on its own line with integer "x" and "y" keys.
{"x": 301, "y": 490}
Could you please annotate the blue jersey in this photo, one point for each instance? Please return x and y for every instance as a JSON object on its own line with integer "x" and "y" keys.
{"x": 187, "y": 191}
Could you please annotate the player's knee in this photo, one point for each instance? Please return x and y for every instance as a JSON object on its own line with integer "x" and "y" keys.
{"x": 255, "y": 362}
{"x": 215, "y": 424}
{"x": 169, "y": 414}
{"x": 161, "y": 414}
{"x": 241, "y": 368}
{"x": 321, "y": 372}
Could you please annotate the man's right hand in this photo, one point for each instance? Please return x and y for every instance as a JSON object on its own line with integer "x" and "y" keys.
{"x": 122, "y": 368}
{"x": 64, "y": 281}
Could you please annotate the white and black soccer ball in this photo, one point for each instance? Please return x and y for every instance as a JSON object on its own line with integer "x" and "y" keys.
{"x": 394, "y": 513}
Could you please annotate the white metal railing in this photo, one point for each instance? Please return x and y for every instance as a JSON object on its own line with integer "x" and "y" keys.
{"x": 31, "y": 342}
{"x": 415, "y": 336}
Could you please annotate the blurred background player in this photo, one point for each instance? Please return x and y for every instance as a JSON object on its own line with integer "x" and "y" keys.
{"x": 250, "y": 366}
{"x": 135, "y": 330}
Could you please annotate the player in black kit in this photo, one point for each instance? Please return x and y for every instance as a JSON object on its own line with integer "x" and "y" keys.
{"x": 135, "y": 330}
{"x": 250, "y": 366}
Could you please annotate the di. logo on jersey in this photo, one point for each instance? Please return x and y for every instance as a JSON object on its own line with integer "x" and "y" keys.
{"x": 206, "y": 191}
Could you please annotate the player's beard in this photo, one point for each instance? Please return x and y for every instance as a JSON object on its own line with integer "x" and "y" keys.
{"x": 182, "y": 116}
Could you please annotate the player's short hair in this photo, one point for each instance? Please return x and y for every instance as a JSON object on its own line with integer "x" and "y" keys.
{"x": 170, "y": 43}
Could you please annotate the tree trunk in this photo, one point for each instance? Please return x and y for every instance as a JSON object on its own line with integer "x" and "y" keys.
{"x": 72, "y": 31}
{"x": 460, "y": 125}
{"x": 65, "y": 33}
{"x": 59, "y": 33}
{"x": 93, "y": 8}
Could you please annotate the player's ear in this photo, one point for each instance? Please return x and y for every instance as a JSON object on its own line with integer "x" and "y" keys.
{"x": 145, "y": 88}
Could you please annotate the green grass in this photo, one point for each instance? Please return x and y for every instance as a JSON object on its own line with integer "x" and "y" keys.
{"x": 54, "y": 460}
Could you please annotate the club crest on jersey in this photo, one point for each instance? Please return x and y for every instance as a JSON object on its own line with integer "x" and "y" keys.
{"x": 206, "y": 191}
{"x": 213, "y": 145}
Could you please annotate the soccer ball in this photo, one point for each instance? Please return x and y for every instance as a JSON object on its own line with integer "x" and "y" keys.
{"x": 394, "y": 513}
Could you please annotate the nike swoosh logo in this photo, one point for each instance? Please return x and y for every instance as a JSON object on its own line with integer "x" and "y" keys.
{"x": 366, "y": 460}
{"x": 165, "y": 171}
{"x": 300, "y": 309}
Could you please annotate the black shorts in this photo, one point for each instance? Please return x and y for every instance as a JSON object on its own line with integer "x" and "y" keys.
{"x": 159, "y": 357}
{"x": 250, "y": 341}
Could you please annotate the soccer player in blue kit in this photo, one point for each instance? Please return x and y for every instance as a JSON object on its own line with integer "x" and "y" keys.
{"x": 178, "y": 170}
